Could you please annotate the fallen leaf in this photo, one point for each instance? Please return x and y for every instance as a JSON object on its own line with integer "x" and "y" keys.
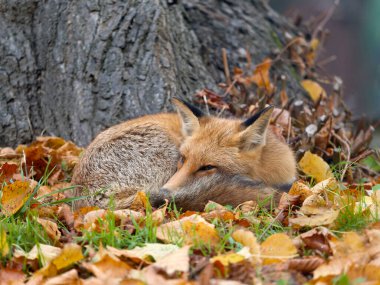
{"x": 248, "y": 239}
{"x": 51, "y": 229}
{"x": 315, "y": 91}
{"x": 108, "y": 268}
{"x": 70, "y": 277}
{"x": 140, "y": 201}
{"x": 177, "y": 261}
{"x": 14, "y": 196}
{"x": 149, "y": 253}
{"x": 317, "y": 239}
{"x": 305, "y": 265}
{"x": 276, "y": 248}
{"x": 44, "y": 252}
{"x": 7, "y": 170}
{"x": 315, "y": 166}
{"x": 10, "y": 276}
{"x": 70, "y": 254}
{"x": 301, "y": 189}
{"x": 261, "y": 76}
{"x": 190, "y": 229}
{"x": 158, "y": 215}
{"x": 327, "y": 217}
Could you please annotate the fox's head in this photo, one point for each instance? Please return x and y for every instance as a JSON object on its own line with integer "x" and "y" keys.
{"x": 215, "y": 147}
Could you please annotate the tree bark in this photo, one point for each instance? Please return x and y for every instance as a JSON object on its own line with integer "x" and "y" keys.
{"x": 74, "y": 68}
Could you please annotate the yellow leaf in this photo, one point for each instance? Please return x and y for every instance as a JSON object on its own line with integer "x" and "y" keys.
{"x": 229, "y": 258}
{"x": 70, "y": 254}
{"x": 14, "y": 196}
{"x": 190, "y": 229}
{"x": 4, "y": 247}
{"x": 314, "y": 89}
{"x": 276, "y": 248}
{"x": 247, "y": 238}
{"x": 315, "y": 166}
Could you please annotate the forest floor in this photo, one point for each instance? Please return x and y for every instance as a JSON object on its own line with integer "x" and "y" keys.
{"x": 326, "y": 230}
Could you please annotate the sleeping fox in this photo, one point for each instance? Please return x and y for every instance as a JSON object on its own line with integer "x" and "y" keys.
{"x": 189, "y": 157}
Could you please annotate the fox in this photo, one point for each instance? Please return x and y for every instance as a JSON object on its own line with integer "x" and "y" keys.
{"x": 187, "y": 157}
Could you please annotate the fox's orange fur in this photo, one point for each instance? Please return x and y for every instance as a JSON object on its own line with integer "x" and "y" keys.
{"x": 192, "y": 158}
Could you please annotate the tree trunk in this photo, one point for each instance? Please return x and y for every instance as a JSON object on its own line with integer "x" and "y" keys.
{"x": 73, "y": 68}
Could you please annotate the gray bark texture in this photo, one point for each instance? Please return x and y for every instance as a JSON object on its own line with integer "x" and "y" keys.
{"x": 72, "y": 68}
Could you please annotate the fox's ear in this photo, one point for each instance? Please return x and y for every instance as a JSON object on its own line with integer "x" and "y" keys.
{"x": 189, "y": 115}
{"x": 255, "y": 129}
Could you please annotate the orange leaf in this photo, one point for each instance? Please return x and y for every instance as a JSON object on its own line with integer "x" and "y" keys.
{"x": 261, "y": 76}
{"x": 276, "y": 248}
{"x": 6, "y": 172}
{"x": 14, "y": 196}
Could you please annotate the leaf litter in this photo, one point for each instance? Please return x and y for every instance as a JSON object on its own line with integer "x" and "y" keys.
{"x": 306, "y": 238}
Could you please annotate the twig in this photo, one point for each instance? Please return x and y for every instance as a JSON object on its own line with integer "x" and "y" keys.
{"x": 326, "y": 18}
{"x": 347, "y": 146}
{"x": 226, "y": 68}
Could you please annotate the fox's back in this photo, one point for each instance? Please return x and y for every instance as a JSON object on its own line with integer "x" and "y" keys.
{"x": 137, "y": 155}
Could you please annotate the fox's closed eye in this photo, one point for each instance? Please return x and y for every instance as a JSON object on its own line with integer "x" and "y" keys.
{"x": 206, "y": 167}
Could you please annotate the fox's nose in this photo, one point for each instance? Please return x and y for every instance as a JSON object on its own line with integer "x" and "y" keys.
{"x": 157, "y": 199}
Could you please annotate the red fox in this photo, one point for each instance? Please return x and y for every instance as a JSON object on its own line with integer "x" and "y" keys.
{"x": 187, "y": 156}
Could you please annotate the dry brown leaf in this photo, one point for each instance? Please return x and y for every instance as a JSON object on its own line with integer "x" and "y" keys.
{"x": 327, "y": 217}
{"x": 314, "y": 205}
{"x": 177, "y": 261}
{"x": 68, "y": 278}
{"x": 350, "y": 242}
{"x": 316, "y": 92}
{"x": 139, "y": 202}
{"x": 276, "y": 248}
{"x": 189, "y": 229}
{"x": 148, "y": 253}
{"x": 211, "y": 206}
{"x": 108, "y": 268}
{"x": 91, "y": 219}
{"x": 247, "y": 207}
{"x": 14, "y": 196}
{"x": 158, "y": 216}
{"x": 7, "y": 170}
{"x": 261, "y": 76}
{"x": 317, "y": 239}
{"x": 10, "y": 276}
{"x": 51, "y": 229}
{"x": 223, "y": 214}
{"x": 327, "y": 185}
{"x": 44, "y": 252}
{"x": 305, "y": 265}
{"x": 126, "y": 216}
{"x": 301, "y": 189}
{"x": 315, "y": 166}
